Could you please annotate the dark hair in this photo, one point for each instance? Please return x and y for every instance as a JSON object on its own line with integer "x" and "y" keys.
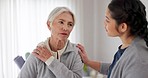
{"x": 131, "y": 12}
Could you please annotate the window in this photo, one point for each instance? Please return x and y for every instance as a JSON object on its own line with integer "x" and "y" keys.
{"x": 23, "y": 26}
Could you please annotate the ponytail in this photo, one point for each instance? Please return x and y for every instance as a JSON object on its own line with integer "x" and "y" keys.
{"x": 146, "y": 36}
{"x": 143, "y": 32}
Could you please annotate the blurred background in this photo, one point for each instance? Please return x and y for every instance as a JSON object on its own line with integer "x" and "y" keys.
{"x": 23, "y": 26}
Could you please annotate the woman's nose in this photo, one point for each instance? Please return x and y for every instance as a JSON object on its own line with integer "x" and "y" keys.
{"x": 65, "y": 27}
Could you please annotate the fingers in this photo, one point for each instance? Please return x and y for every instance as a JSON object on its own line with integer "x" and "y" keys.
{"x": 44, "y": 49}
{"x": 81, "y": 48}
{"x": 40, "y": 50}
{"x": 35, "y": 51}
{"x": 82, "y": 53}
{"x": 42, "y": 53}
{"x": 36, "y": 54}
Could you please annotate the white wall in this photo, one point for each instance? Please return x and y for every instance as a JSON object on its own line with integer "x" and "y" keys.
{"x": 88, "y": 26}
{"x": 98, "y": 45}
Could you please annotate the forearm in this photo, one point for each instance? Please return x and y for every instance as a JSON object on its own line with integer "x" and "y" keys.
{"x": 29, "y": 68}
{"x": 94, "y": 64}
{"x": 61, "y": 71}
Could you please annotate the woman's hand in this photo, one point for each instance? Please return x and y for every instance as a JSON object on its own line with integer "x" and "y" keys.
{"x": 93, "y": 64}
{"x": 42, "y": 53}
{"x": 83, "y": 54}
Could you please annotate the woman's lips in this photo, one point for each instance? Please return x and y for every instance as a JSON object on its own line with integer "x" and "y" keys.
{"x": 63, "y": 33}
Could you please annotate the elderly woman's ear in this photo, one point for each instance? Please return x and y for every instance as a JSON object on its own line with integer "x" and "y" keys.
{"x": 48, "y": 24}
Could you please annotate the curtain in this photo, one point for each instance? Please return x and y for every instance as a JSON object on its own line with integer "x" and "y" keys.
{"x": 23, "y": 26}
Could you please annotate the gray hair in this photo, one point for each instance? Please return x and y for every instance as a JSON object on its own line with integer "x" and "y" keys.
{"x": 57, "y": 11}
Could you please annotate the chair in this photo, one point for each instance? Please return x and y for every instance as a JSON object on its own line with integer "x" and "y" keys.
{"x": 20, "y": 61}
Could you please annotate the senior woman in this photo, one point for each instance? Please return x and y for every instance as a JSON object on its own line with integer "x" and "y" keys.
{"x": 56, "y": 57}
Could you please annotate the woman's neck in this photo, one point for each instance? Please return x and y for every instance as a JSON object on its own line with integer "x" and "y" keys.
{"x": 126, "y": 40}
{"x": 56, "y": 44}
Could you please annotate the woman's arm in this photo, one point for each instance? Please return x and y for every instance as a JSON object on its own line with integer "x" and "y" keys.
{"x": 59, "y": 69}
{"x": 62, "y": 71}
{"x": 93, "y": 64}
{"x": 29, "y": 68}
{"x": 98, "y": 66}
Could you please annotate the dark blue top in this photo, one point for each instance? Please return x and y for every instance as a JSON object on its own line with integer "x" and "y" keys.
{"x": 116, "y": 58}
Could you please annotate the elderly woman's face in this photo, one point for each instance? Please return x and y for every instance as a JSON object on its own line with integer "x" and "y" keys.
{"x": 62, "y": 25}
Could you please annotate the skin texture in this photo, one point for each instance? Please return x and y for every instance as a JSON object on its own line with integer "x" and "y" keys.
{"x": 60, "y": 29}
{"x": 110, "y": 25}
{"x": 112, "y": 30}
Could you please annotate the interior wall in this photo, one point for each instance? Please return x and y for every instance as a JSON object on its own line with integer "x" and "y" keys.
{"x": 107, "y": 45}
{"x": 88, "y": 26}
{"x": 96, "y": 42}
{"x": 98, "y": 45}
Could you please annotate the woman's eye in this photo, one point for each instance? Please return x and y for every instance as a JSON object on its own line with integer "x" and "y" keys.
{"x": 61, "y": 22}
{"x": 106, "y": 20}
{"x": 70, "y": 25}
